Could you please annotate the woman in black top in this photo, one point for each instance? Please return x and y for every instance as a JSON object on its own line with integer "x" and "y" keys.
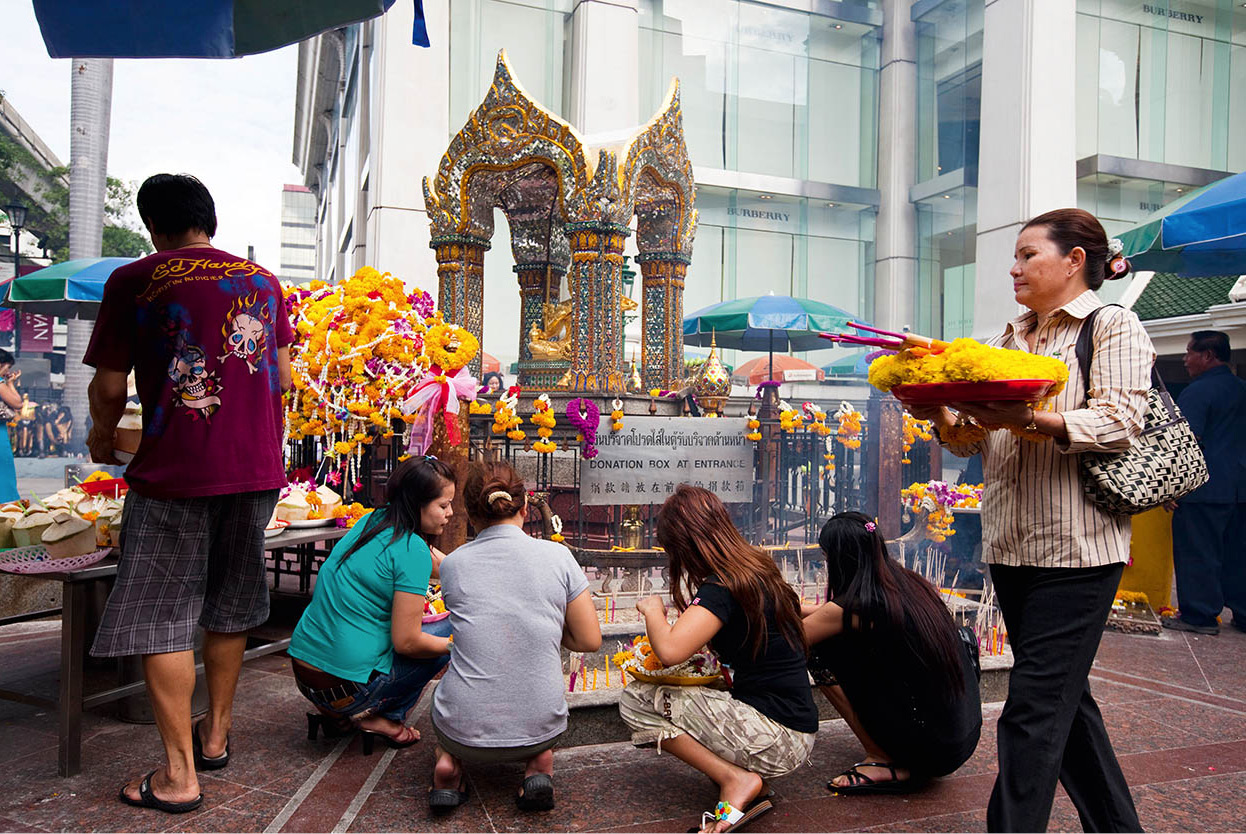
{"x": 888, "y": 656}
{"x": 740, "y": 605}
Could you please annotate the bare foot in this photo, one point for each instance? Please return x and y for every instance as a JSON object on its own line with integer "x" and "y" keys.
{"x": 739, "y": 793}
{"x": 874, "y": 774}
{"x": 396, "y": 730}
{"x": 447, "y": 772}
{"x": 163, "y": 789}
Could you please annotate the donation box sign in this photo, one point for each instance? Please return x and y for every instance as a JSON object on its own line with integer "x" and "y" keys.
{"x": 650, "y": 456}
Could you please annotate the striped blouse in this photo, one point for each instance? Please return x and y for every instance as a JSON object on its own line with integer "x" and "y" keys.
{"x": 1033, "y": 509}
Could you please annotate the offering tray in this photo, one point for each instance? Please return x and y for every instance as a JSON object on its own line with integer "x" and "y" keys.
{"x": 995, "y": 390}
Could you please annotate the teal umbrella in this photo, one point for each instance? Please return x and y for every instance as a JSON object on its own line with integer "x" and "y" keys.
{"x": 765, "y": 323}
{"x": 70, "y": 289}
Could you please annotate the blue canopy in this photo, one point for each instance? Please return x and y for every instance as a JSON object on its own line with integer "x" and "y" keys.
{"x": 1202, "y": 233}
{"x": 197, "y": 28}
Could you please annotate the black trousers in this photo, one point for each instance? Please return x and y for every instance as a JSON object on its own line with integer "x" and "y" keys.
{"x": 1209, "y": 560}
{"x": 1051, "y": 727}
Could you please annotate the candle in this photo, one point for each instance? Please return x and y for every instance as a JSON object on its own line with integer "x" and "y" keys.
{"x": 607, "y": 671}
{"x": 623, "y": 675}
{"x": 571, "y": 688}
{"x": 594, "y": 679}
{"x": 612, "y": 601}
{"x": 583, "y": 677}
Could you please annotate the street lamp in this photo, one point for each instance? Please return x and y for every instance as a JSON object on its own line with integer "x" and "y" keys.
{"x": 17, "y": 220}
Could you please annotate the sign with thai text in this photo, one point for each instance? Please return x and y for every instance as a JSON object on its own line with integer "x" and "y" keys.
{"x": 650, "y": 456}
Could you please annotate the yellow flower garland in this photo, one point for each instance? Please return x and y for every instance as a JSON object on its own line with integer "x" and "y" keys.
{"x": 543, "y": 418}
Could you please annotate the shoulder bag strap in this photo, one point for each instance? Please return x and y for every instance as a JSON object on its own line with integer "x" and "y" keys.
{"x": 1085, "y": 351}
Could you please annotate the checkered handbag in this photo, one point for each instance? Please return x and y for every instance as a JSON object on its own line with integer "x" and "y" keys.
{"x": 1163, "y": 463}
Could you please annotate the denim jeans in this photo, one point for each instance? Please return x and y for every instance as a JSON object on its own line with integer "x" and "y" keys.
{"x": 393, "y": 695}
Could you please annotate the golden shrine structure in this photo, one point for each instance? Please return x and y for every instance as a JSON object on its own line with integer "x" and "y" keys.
{"x": 570, "y": 207}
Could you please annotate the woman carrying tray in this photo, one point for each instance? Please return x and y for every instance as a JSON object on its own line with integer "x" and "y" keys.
{"x": 888, "y": 656}
{"x": 512, "y": 600}
{"x": 360, "y": 652}
{"x": 741, "y": 606}
{"x": 1056, "y": 558}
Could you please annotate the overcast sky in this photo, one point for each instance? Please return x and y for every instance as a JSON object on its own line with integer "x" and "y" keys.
{"x": 229, "y": 122}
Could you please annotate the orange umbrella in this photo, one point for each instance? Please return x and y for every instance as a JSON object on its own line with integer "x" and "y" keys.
{"x": 489, "y": 364}
{"x": 786, "y": 369}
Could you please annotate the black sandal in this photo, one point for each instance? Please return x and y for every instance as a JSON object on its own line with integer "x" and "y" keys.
{"x": 859, "y": 783}
{"x": 441, "y": 800}
{"x": 148, "y": 799}
{"x": 203, "y": 762}
{"x": 538, "y": 793}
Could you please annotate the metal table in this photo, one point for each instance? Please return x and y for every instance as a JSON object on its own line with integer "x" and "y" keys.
{"x": 71, "y": 700}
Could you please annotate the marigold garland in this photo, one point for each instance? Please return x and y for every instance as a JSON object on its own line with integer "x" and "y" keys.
{"x": 849, "y": 434}
{"x": 754, "y": 429}
{"x": 616, "y": 415}
{"x": 543, "y": 418}
{"x": 937, "y": 499}
{"x": 914, "y": 430}
{"x": 505, "y": 420}
{"x": 354, "y": 358}
{"x": 789, "y": 418}
{"x": 817, "y": 419}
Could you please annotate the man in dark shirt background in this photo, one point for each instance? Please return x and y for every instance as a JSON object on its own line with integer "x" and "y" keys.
{"x": 207, "y": 336}
{"x": 1209, "y": 524}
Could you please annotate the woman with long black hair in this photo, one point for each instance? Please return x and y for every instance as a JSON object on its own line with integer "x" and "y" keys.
{"x": 888, "y": 656}
{"x": 732, "y": 596}
{"x": 360, "y": 652}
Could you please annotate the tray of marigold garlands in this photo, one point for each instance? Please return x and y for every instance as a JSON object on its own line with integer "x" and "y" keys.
{"x": 925, "y": 371}
{"x": 640, "y": 661}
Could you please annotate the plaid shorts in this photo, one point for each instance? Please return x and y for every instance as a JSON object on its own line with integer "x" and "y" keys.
{"x": 186, "y": 562}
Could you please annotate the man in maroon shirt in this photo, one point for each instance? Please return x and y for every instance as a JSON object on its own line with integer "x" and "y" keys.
{"x": 207, "y": 336}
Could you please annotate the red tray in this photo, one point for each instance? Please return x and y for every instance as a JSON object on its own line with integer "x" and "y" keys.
{"x": 105, "y": 487}
{"x": 998, "y": 390}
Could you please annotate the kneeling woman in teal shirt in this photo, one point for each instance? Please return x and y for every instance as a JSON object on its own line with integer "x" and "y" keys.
{"x": 360, "y": 651}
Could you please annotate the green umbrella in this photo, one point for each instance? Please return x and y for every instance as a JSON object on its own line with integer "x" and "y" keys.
{"x": 69, "y": 289}
{"x": 765, "y": 323}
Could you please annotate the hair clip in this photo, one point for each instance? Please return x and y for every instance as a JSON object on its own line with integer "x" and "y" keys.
{"x": 1115, "y": 247}
{"x": 498, "y": 494}
{"x": 871, "y": 526}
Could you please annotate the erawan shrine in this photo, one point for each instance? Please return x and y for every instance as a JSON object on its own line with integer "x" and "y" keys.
{"x": 609, "y": 418}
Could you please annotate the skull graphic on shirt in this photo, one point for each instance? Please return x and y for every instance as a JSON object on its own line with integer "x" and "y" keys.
{"x": 245, "y": 330}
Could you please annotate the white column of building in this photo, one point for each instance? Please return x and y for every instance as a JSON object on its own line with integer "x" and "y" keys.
{"x": 410, "y": 129}
{"x": 1027, "y": 161}
{"x": 895, "y": 267}
{"x": 605, "y": 95}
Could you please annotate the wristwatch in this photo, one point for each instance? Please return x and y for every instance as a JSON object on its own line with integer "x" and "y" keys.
{"x": 1031, "y": 427}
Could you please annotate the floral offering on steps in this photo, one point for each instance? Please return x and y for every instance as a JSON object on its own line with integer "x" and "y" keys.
{"x": 937, "y": 499}
{"x": 640, "y": 661}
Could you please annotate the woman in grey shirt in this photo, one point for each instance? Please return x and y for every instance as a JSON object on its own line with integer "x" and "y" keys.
{"x": 513, "y": 600}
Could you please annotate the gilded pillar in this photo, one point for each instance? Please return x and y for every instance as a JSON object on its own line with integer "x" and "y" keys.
{"x": 596, "y": 289}
{"x": 460, "y": 284}
{"x": 662, "y": 337}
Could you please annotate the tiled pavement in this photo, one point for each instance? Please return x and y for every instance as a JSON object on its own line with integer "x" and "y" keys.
{"x": 1175, "y": 706}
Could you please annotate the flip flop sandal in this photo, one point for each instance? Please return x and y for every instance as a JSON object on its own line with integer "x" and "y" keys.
{"x": 148, "y": 799}
{"x": 538, "y": 793}
{"x": 203, "y": 762}
{"x": 368, "y": 739}
{"x": 859, "y": 783}
{"x": 441, "y": 800}
{"x": 734, "y": 817}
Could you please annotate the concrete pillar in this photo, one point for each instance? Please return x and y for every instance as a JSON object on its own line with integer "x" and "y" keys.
{"x": 895, "y": 266}
{"x": 604, "y": 65}
{"x": 662, "y": 306}
{"x": 1027, "y": 160}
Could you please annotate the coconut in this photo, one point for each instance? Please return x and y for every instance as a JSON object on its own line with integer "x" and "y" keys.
{"x": 28, "y": 530}
{"x": 68, "y": 536}
{"x": 129, "y": 431}
{"x": 293, "y": 507}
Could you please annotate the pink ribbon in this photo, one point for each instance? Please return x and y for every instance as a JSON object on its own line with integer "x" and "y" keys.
{"x": 437, "y": 393}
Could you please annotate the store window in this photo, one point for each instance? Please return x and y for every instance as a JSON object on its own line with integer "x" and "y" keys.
{"x": 949, "y": 97}
{"x": 765, "y": 89}
{"x": 531, "y": 31}
{"x": 1162, "y": 82}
